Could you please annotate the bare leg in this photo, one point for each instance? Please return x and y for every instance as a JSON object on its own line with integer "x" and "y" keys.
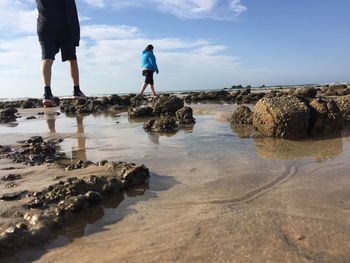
{"x": 152, "y": 89}
{"x": 74, "y": 72}
{"x": 144, "y": 86}
{"x": 46, "y": 68}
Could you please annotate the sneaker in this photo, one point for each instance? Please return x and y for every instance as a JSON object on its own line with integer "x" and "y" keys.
{"x": 48, "y": 100}
{"x": 79, "y": 95}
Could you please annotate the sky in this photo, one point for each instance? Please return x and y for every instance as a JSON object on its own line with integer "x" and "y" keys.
{"x": 199, "y": 44}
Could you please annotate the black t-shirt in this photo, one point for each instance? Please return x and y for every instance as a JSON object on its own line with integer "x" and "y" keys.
{"x": 58, "y": 19}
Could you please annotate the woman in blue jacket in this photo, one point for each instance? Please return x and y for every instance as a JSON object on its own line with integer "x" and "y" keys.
{"x": 149, "y": 66}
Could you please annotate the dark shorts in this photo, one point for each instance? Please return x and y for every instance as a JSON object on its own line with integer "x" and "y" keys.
{"x": 148, "y": 76}
{"x": 49, "y": 49}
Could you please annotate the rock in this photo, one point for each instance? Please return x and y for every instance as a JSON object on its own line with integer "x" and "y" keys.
{"x": 28, "y": 104}
{"x": 167, "y": 104}
{"x": 31, "y": 118}
{"x": 140, "y": 112}
{"x": 11, "y": 177}
{"x": 164, "y": 125}
{"x": 12, "y": 196}
{"x": 325, "y": 116}
{"x": 242, "y": 115}
{"x": 93, "y": 197}
{"x": 148, "y": 125}
{"x": 133, "y": 176}
{"x": 307, "y": 92}
{"x": 8, "y": 115}
{"x": 185, "y": 116}
{"x": 282, "y": 116}
{"x": 35, "y": 140}
{"x": 344, "y": 106}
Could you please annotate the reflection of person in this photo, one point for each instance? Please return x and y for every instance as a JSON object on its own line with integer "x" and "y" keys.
{"x": 58, "y": 29}
{"x": 149, "y": 66}
{"x": 78, "y": 152}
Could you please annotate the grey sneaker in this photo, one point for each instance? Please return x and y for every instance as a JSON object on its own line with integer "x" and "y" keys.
{"x": 79, "y": 95}
{"x": 48, "y": 100}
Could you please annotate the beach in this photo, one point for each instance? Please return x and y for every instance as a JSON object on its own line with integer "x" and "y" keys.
{"x": 215, "y": 193}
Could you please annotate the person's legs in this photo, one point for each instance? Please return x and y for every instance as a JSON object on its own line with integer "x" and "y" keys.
{"x": 152, "y": 89}
{"x": 68, "y": 52}
{"x": 74, "y": 72}
{"x": 49, "y": 49}
{"x": 46, "y": 69}
{"x": 144, "y": 86}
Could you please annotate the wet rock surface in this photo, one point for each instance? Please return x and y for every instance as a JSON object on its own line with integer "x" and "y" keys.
{"x": 8, "y": 115}
{"x": 185, "y": 116}
{"x": 34, "y": 151}
{"x": 242, "y": 115}
{"x": 325, "y": 116}
{"x": 165, "y": 124}
{"x": 167, "y": 104}
{"x": 140, "y": 112}
{"x": 343, "y": 103}
{"x": 36, "y": 214}
{"x": 284, "y": 116}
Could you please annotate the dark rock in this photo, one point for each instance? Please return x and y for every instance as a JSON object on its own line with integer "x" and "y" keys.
{"x": 185, "y": 116}
{"x": 134, "y": 175}
{"x": 12, "y": 196}
{"x": 163, "y": 125}
{"x": 283, "y": 116}
{"x": 141, "y": 112}
{"x": 307, "y": 92}
{"x": 8, "y": 115}
{"x": 325, "y": 116}
{"x": 93, "y": 197}
{"x": 11, "y": 177}
{"x": 35, "y": 140}
{"x": 167, "y": 104}
{"x": 242, "y": 115}
{"x": 31, "y": 118}
{"x": 344, "y": 106}
{"x": 148, "y": 125}
{"x": 28, "y": 105}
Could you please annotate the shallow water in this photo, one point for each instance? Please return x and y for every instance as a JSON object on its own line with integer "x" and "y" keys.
{"x": 214, "y": 195}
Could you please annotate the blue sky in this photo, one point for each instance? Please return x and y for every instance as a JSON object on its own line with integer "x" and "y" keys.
{"x": 199, "y": 44}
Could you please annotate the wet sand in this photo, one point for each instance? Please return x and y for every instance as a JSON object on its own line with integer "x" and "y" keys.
{"x": 213, "y": 196}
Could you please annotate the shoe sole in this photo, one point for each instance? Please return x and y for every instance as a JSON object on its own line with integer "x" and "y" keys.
{"x": 48, "y": 104}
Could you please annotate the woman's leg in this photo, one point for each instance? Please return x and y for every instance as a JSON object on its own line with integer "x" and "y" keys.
{"x": 144, "y": 86}
{"x": 152, "y": 89}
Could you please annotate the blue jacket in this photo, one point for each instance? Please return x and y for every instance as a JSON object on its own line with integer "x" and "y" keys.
{"x": 148, "y": 61}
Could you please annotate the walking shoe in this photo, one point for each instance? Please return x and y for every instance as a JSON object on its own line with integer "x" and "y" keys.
{"x": 48, "y": 100}
{"x": 79, "y": 95}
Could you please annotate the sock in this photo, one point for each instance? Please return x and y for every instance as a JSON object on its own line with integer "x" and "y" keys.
{"x": 76, "y": 88}
{"x": 48, "y": 90}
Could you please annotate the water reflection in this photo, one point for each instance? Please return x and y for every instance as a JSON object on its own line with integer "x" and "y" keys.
{"x": 279, "y": 149}
{"x": 78, "y": 151}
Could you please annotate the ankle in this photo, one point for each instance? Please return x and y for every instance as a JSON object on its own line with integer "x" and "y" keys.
{"x": 76, "y": 88}
{"x": 47, "y": 90}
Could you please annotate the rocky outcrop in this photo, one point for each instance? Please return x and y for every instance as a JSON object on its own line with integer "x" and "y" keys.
{"x": 242, "y": 115}
{"x": 165, "y": 124}
{"x": 185, "y": 116}
{"x": 140, "y": 112}
{"x": 344, "y": 106}
{"x": 325, "y": 116}
{"x": 307, "y": 92}
{"x": 8, "y": 115}
{"x": 284, "y": 116}
{"x": 167, "y": 104}
{"x": 34, "y": 215}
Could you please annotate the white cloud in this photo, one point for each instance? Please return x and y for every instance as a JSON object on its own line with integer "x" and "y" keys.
{"x": 184, "y": 9}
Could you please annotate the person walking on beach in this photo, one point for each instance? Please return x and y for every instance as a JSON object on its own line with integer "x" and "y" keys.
{"x": 149, "y": 66}
{"x": 58, "y": 29}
